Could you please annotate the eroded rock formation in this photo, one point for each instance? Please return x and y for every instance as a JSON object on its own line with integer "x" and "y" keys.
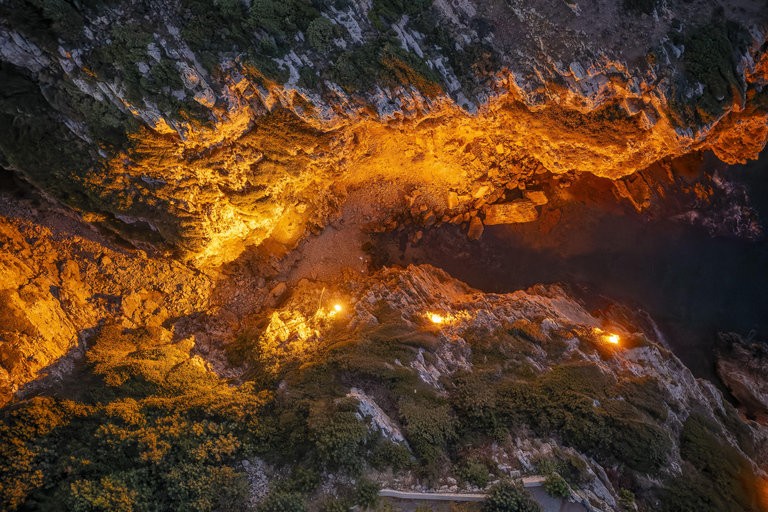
{"x": 742, "y": 367}
{"x": 61, "y": 281}
{"x": 205, "y": 135}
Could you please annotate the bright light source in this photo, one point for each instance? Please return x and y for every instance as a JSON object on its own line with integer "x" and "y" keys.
{"x": 613, "y": 338}
{"x": 337, "y": 307}
{"x": 436, "y": 319}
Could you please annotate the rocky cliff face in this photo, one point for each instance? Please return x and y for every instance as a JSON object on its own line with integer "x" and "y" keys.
{"x": 62, "y": 280}
{"x": 532, "y": 377}
{"x": 528, "y": 383}
{"x": 204, "y": 127}
{"x": 741, "y": 366}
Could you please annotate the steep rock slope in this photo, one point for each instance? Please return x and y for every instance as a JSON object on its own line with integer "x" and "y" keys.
{"x": 534, "y": 372}
{"x": 207, "y": 126}
{"x": 407, "y": 377}
{"x": 61, "y": 281}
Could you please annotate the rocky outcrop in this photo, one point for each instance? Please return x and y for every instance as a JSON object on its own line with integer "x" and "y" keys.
{"x": 61, "y": 281}
{"x": 511, "y": 213}
{"x": 742, "y": 367}
{"x": 220, "y": 156}
{"x": 423, "y": 306}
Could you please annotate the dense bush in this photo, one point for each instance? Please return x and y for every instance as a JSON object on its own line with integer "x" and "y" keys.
{"x": 283, "y": 502}
{"x": 367, "y": 493}
{"x": 46, "y": 20}
{"x": 556, "y": 486}
{"x": 338, "y": 435}
{"x": 719, "y": 477}
{"x": 383, "y": 62}
{"x": 320, "y": 33}
{"x": 429, "y": 426}
{"x": 335, "y": 505}
{"x": 392, "y": 455}
{"x": 390, "y": 11}
{"x": 563, "y": 400}
{"x": 711, "y": 55}
{"x": 508, "y": 497}
{"x": 474, "y": 472}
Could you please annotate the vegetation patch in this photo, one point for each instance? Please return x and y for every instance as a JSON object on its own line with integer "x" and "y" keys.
{"x": 556, "y": 486}
{"x": 383, "y": 62}
{"x": 506, "y": 496}
{"x": 711, "y": 55}
{"x": 717, "y": 476}
{"x": 145, "y": 428}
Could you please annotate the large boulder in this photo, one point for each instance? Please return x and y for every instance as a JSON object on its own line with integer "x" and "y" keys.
{"x": 521, "y": 210}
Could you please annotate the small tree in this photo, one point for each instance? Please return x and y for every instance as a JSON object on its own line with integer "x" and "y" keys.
{"x": 556, "y": 486}
{"x": 509, "y": 497}
{"x": 474, "y": 472}
{"x": 367, "y": 493}
{"x": 320, "y": 33}
{"x": 627, "y": 498}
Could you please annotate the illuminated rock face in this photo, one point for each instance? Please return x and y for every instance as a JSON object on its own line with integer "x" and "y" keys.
{"x": 57, "y": 286}
{"x": 505, "y": 94}
{"x": 445, "y": 329}
{"x": 510, "y": 213}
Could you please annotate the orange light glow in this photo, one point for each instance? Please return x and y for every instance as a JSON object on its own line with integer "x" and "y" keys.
{"x": 337, "y": 307}
{"x": 436, "y": 319}
{"x": 613, "y": 338}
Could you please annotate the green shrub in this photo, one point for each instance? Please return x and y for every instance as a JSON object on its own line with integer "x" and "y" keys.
{"x": 721, "y": 478}
{"x": 711, "y": 56}
{"x": 338, "y": 435}
{"x": 393, "y": 455}
{"x": 165, "y": 74}
{"x": 428, "y": 427}
{"x": 302, "y": 481}
{"x": 335, "y": 505}
{"x": 473, "y": 397}
{"x": 474, "y": 472}
{"x": 575, "y": 471}
{"x": 627, "y": 498}
{"x": 320, "y": 33}
{"x": 281, "y": 19}
{"x": 556, "y": 486}
{"x": 216, "y": 26}
{"x": 383, "y": 62}
{"x": 565, "y": 400}
{"x": 645, "y": 395}
{"x": 308, "y": 78}
{"x": 546, "y": 466}
{"x": 64, "y": 19}
{"x": 367, "y": 493}
{"x": 392, "y": 10}
{"x": 283, "y": 502}
{"x": 508, "y": 497}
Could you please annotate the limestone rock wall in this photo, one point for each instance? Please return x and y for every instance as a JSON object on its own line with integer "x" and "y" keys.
{"x": 245, "y": 147}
